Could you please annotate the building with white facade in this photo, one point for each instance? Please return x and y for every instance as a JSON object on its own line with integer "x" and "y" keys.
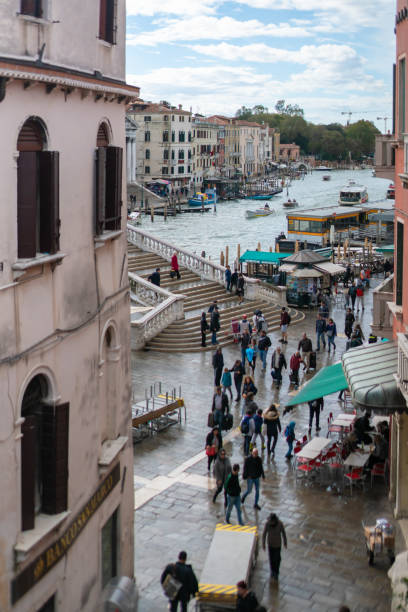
{"x": 205, "y": 149}
{"x": 164, "y": 143}
{"x": 66, "y": 513}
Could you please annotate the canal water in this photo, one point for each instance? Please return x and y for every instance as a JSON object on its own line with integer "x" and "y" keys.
{"x": 228, "y": 226}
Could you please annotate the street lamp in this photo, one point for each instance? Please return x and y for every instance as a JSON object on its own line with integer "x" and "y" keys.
{"x": 385, "y": 119}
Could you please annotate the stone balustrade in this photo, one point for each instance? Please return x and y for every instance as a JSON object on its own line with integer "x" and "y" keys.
{"x": 167, "y": 308}
{"x": 205, "y": 268}
{"x": 402, "y": 373}
{"x": 382, "y": 316}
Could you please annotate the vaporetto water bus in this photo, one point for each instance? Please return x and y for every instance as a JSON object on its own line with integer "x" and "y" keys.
{"x": 353, "y": 194}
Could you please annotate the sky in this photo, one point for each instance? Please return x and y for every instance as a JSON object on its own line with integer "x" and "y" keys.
{"x": 214, "y": 56}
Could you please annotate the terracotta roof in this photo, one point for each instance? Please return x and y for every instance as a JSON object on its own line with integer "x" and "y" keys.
{"x": 157, "y": 108}
{"x": 247, "y": 123}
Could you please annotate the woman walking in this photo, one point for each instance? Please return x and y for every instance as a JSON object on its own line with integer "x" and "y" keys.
{"x": 240, "y": 287}
{"x": 239, "y": 372}
{"x": 251, "y": 353}
{"x": 290, "y": 438}
{"x": 175, "y": 267}
{"x": 331, "y": 332}
{"x": 213, "y": 444}
{"x": 249, "y": 386}
{"x": 348, "y": 324}
{"x": 273, "y": 427}
{"x": 222, "y": 468}
{"x": 204, "y": 326}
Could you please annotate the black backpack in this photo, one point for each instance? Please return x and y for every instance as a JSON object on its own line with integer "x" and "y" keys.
{"x": 289, "y": 319}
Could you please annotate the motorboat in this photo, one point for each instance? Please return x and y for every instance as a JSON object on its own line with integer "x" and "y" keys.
{"x": 291, "y": 204}
{"x": 353, "y": 194}
{"x": 322, "y": 169}
{"x": 135, "y": 218}
{"x": 391, "y": 192}
{"x": 326, "y": 177}
{"x": 202, "y": 199}
{"x": 260, "y": 212}
{"x": 260, "y": 196}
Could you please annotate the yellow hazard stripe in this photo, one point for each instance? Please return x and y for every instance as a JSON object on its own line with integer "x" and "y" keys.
{"x": 226, "y": 589}
{"x": 239, "y": 528}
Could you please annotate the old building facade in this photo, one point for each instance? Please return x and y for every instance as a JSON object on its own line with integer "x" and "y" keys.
{"x": 66, "y": 522}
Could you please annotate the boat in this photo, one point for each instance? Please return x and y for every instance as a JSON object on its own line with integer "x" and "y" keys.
{"x": 202, "y": 199}
{"x": 391, "y": 192}
{"x": 291, "y": 204}
{"x": 322, "y": 169}
{"x": 135, "y": 218}
{"x": 326, "y": 177}
{"x": 353, "y": 194}
{"x": 260, "y": 196}
{"x": 260, "y": 212}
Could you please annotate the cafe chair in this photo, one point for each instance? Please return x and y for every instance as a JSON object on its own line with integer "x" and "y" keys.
{"x": 354, "y": 477}
{"x": 306, "y": 469}
{"x": 378, "y": 469}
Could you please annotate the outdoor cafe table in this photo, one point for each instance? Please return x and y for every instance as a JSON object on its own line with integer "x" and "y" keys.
{"x": 344, "y": 416}
{"x": 357, "y": 459}
{"x": 314, "y": 448}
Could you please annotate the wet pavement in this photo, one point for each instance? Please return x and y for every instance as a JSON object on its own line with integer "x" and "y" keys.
{"x": 325, "y": 564}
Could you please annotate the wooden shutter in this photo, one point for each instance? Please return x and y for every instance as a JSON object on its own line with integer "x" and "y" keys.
{"x": 31, "y": 7}
{"x": 54, "y": 458}
{"x": 27, "y": 194}
{"x": 28, "y": 471}
{"x": 102, "y": 19}
{"x": 100, "y": 190}
{"x": 110, "y": 21}
{"x": 49, "y": 201}
{"x": 114, "y": 157}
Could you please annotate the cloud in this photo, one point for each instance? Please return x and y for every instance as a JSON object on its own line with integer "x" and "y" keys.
{"x": 213, "y": 28}
{"x": 184, "y": 8}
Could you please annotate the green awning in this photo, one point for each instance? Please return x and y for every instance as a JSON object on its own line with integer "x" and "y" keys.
{"x": 370, "y": 372}
{"x": 263, "y": 257}
{"x": 387, "y": 248}
{"x": 328, "y": 380}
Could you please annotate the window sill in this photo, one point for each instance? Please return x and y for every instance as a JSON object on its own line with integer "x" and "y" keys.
{"x": 44, "y": 524}
{"x": 32, "y": 19}
{"x": 25, "y": 264}
{"x": 106, "y": 237}
{"x": 110, "y": 450}
{"x": 106, "y": 43}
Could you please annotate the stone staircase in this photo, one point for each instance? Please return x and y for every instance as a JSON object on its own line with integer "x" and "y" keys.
{"x": 184, "y": 336}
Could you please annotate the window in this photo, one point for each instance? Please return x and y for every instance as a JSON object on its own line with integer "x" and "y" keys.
{"x": 165, "y": 170}
{"x": 38, "y": 222}
{"x": 165, "y": 154}
{"x": 172, "y": 117}
{"x": 173, "y": 136}
{"x": 181, "y": 170}
{"x": 147, "y": 154}
{"x": 109, "y": 549}
{"x": 189, "y": 169}
{"x": 400, "y": 264}
{"x": 44, "y": 454}
{"x": 181, "y": 154}
{"x": 147, "y": 136}
{"x": 147, "y": 169}
{"x": 107, "y": 21}
{"x": 108, "y": 191}
{"x": 49, "y": 605}
{"x": 401, "y": 96}
{"x": 182, "y": 137}
{"x": 166, "y": 118}
{"x": 173, "y": 154}
{"x": 147, "y": 118}
{"x": 34, "y": 8}
{"x": 166, "y": 136}
{"x": 189, "y": 137}
{"x": 102, "y": 138}
{"x": 189, "y": 154}
{"x": 181, "y": 118}
{"x": 172, "y": 170}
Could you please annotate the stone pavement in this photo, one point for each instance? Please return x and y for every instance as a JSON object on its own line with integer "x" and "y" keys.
{"x": 325, "y": 563}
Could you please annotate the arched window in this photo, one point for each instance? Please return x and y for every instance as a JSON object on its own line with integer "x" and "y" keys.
{"x": 102, "y": 138}
{"x": 38, "y": 219}
{"x": 110, "y": 355}
{"x": 44, "y": 453}
{"x": 108, "y": 176}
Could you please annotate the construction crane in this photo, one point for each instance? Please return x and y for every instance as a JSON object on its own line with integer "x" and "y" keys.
{"x": 385, "y": 119}
{"x": 349, "y": 113}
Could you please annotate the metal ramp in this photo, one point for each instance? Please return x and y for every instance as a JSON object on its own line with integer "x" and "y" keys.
{"x": 158, "y": 411}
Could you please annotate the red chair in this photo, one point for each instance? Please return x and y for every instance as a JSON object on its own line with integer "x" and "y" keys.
{"x": 378, "y": 469}
{"x": 354, "y": 477}
{"x": 305, "y": 468}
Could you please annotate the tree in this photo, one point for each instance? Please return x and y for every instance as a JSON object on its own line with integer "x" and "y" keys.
{"x": 244, "y": 113}
{"x": 259, "y": 109}
{"x": 289, "y": 109}
{"x": 360, "y": 138}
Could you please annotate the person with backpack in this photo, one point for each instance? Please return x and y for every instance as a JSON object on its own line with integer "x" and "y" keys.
{"x": 284, "y": 323}
{"x": 233, "y": 490}
{"x": 278, "y": 362}
{"x": 331, "y": 332}
{"x": 183, "y": 573}
{"x": 258, "y": 421}
{"x": 289, "y": 434}
{"x": 246, "y": 599}
{"x": 273, "y": 427}
{"x": 253, "y": 470}
{"x": 239, "y": 372}
{"x": 315, "y": 408}
{"x": 247, "y": 429}
{"x": 264, "y": 343}
{"x": 222, "y": 468}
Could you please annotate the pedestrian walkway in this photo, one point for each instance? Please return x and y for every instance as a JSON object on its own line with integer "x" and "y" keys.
{"x": 325, "y": 563}
{"x": 184, "y": 335}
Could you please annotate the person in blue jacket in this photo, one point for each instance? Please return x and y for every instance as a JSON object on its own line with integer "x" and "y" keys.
{"x": 290, "y": 438}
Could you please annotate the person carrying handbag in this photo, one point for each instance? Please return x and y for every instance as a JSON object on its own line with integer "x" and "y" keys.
{"x": 179, "y": 583}
{"x": 213, "y": 444}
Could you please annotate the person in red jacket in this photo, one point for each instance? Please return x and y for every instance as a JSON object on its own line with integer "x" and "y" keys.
{"x": 175, "y": 266}
{"x": 294, "y": 363}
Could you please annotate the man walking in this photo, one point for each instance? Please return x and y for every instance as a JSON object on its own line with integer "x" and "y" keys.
{"x": 253, "y": 470}
{"x": 222, "y": 469}
{"x": 273, "y": 533}
{"x": 228, "y": 275}
{"x": 278, "y": 362}
{"x": 353, "y": 294}
{"x": 305, "y": 345}
{"x": 214, "y": 324}
{"x": 360, "y": 296}
{"x": 155, "y": 277}
{"x": 294, "y": 364}
{"x": 219, "y": 406}
{"x": 315, "y": 408}
{"x": 323, "y": 310}
{"x": 264, "y": 343}
{"x": 233, "y": 490}
{"x": 284, "y": 322}
{"x": 320, "y": 329}
{"x": 246, "y": 599}
{"x": 183, "y": 572}
{"x": 218, "y": 364}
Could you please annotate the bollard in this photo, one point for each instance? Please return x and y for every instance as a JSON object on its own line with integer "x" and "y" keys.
{"x": 152, "y": 214}
{"x": 259, "y": 246}
{"x": 165, "y": 213}
{"x": 238, "y": 253}
{"x": 226, "y": 255}
{"x": 222, "y": 258}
